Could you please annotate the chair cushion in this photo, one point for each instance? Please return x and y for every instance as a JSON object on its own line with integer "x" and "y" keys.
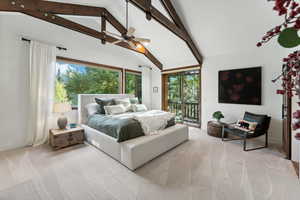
{"x": 261, "y": 121}
{"x": 250, "y": 126}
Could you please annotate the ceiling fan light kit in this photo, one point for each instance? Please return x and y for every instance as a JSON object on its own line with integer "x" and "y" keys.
{"x": 134, "y": 42}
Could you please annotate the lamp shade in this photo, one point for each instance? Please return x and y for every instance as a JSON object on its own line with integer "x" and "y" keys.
{"x": 62, "y": 107}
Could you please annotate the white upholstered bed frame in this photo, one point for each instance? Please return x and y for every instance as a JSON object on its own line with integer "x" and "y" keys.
{"x": 135, "y": 152}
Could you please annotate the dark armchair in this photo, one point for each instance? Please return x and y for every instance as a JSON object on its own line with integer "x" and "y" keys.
{"x": 263, "y": 123}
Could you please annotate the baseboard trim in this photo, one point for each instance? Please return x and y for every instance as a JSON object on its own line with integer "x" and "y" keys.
{"x": 296, "y": 167}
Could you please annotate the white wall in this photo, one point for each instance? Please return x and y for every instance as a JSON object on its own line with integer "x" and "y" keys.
{"x": 13, "y": 90}
{"x": 146, "y": 86}
{"x": 156, "y": 82}
{"x": 269, "y": 58}
{"x": 14, "y": 61}
{"x": 271, "y": 102}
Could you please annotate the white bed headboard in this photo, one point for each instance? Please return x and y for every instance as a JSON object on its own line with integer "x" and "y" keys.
{"x": 84, "y": 99}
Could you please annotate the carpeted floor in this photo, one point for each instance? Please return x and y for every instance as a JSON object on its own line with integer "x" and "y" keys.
{"x": 203, "y": 168}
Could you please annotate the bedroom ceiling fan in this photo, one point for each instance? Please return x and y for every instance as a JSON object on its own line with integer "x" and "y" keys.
{"x": 129, "y": 36}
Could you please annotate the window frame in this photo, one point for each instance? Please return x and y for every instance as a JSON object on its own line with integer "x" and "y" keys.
{"x": 96, "y": 65}
{"x": 135, "y": 73}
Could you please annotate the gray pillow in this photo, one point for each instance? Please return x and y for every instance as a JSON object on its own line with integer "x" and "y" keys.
{"x": 103, "y": 102}
{"x": 92, "y": 108}
{"x": 125, "y": 102}
{"x": 116, "y": 109}
{"x": 134, "y": 100}
{"x": 139, "y": 107}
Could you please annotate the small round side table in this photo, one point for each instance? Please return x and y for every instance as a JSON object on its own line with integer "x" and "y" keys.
{"x": 214, "y": 129}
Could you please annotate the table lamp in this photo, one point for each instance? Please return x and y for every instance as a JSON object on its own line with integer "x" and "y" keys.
{"x": 62, "y": 108}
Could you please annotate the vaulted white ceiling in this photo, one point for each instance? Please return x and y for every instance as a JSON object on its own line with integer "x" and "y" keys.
{"x": 217, "y": 27}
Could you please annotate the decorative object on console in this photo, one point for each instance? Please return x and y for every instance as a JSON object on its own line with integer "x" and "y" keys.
{"x": 62, "y": 108}
{"x": 218, "y": 115}
{"x": 73, "y": 125}
{"x": 240, "y": 86}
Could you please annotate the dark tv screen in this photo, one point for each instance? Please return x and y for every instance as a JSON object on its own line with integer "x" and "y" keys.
{"x": 240, "y": 86}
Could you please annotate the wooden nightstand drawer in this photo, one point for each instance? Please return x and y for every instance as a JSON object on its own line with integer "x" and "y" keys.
{"x": 64, "y": 138}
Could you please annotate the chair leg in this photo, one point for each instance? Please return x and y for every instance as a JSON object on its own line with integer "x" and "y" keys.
{"x": 265, "y": 146}
{"x": 245, "y": 143}
{"x": 267, "y": 140}
{"x": 222, "y": 133}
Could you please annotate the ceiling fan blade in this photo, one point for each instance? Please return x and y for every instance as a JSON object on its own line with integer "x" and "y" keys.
{"x": 132, "y": 45}
{"x": 143, "y": 40}
{"x": 117, "y": 41}
{"x": 113, "y": 34}
{"x": 130, "y": 31}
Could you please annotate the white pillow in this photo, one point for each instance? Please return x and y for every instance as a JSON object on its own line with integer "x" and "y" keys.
{"x": 139, "y": 107}
{"x": 125, "y": 102}
{"x": 92, "y": 108}
{"x": 115, "y": 109}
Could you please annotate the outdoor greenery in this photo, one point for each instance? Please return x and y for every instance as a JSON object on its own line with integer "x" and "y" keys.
{"x": 133, "y": 84}
{"x": 189, "y": 87}
{"x": 76, "y": 79}
{"x": 183, "y": 88}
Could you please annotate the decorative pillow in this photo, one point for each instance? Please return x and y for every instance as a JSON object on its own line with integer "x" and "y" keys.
{"x": 103, "y": 102}
{"x": 115, "y": 109}
{"x": 139, "y": 108}
{"x": 92, "y": 108}
{"x": 134, "y": 100}
{"x": 247, "y": 125}
{"x": 125, "y": 102}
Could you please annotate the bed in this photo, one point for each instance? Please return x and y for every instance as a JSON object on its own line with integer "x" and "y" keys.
{"x": 135, "y": 152}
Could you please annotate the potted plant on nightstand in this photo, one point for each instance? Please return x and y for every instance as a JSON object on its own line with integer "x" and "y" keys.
{"x": 218, "y": 115}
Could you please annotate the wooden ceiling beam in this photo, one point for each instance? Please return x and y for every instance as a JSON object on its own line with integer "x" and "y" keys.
{"x": 159, "y": 17}
{"x": 176, "y": 28}
{"x": 60, "y": 21}
{"x": 47, "y": 10}
{"x": 103, "y": 28}
{"x": 172, "y": 12}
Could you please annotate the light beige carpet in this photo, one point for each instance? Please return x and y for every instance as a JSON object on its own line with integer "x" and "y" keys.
{"x": 203, "y": 168}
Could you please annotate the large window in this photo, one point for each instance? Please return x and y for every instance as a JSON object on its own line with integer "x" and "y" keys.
{"x": 75, "y": 77}
{"x": 133, "y": 83}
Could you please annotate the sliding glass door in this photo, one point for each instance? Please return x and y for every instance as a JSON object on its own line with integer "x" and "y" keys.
{"x": 183, "y": 95}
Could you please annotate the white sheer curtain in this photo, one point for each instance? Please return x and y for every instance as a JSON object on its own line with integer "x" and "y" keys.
{"x": 42, "y": 82}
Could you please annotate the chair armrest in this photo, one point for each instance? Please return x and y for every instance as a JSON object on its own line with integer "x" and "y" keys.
{"x": 228, "y": 124}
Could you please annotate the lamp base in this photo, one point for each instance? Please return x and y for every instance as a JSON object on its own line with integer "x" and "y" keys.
{"x": 62, "y": 122}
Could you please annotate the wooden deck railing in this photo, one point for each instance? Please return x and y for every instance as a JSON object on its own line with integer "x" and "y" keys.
{"x": 187, "y": 111}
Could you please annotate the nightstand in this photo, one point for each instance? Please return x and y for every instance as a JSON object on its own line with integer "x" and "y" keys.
{"x": 215, "y": 129}
{"x": 67, "y": 137}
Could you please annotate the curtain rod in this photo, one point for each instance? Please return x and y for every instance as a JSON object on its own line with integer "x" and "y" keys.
{"x": 59, "y": 48}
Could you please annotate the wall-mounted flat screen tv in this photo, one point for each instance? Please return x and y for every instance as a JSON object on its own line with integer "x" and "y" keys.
{"x": 240, "y": 86}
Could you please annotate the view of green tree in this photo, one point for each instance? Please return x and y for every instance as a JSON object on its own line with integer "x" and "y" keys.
{"x": 60, "y": 92}
{"x": 133, "y": 84}
{"x": 183, "y": 89}
{"x": 78, "y": 79}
